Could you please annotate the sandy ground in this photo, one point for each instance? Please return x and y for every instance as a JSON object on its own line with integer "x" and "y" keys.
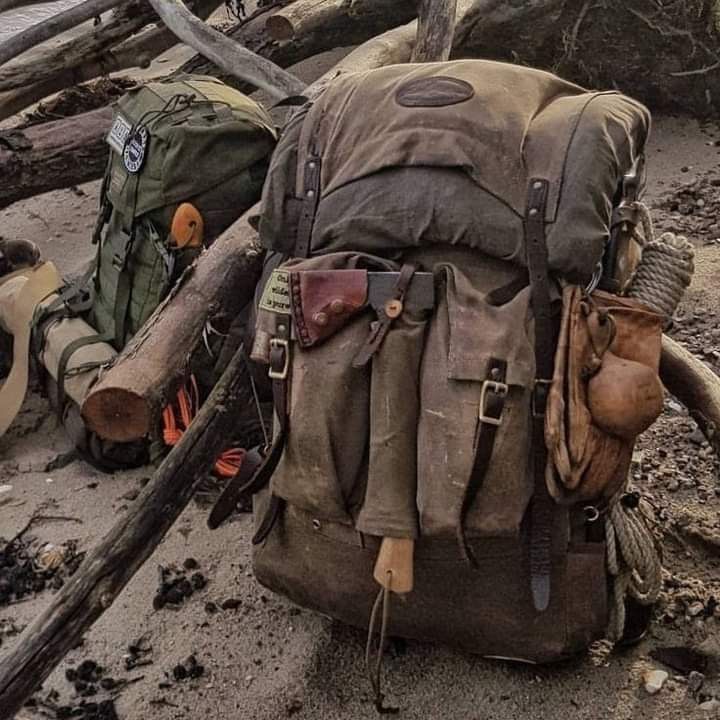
{"x": 265, "y": 659}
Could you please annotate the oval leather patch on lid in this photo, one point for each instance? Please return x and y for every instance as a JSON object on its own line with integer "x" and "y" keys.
{"x": 433, "y": 92}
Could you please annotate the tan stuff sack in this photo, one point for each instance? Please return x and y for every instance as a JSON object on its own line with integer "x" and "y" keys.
{"x": 410, "y": 341}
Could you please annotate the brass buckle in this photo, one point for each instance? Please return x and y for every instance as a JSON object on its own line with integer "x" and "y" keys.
{"x": 285, "y": 345}
{"x": 500, "y": 389}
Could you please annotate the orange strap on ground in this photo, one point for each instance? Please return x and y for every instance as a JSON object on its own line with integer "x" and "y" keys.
{"x": 177, "y": 419}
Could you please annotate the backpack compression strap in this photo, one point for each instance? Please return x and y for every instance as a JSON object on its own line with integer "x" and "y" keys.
{"x": 541, "y": 509}
{"x": 255, "y": 475}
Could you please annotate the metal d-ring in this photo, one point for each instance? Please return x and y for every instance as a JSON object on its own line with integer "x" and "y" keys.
{"x": 591, "y": 513}
{"x": 595, "y": 279}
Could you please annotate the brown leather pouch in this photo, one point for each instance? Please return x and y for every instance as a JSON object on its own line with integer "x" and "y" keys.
{"x": 323, "y": 301}
{"x": 605, "y": 392}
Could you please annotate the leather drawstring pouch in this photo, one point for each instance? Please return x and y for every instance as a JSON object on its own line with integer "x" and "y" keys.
{"x": 605, "y": 392}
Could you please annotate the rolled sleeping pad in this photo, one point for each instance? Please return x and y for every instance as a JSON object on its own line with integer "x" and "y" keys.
{"x": 84, "y": 365}
{"x": 20, "y": 293}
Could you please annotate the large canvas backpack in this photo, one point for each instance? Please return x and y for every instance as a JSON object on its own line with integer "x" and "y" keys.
{"x": 410, "y": 319}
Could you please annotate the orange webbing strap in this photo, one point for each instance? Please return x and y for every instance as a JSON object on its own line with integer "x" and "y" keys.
{"x": 177, "y": 419}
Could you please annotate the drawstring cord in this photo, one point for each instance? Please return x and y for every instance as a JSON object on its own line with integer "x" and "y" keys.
{"x": 374, "y": 673}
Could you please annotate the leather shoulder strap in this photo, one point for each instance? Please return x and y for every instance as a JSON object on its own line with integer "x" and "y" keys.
{"x": 542, "y": 507}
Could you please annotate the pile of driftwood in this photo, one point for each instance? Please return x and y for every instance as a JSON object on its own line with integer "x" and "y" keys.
{"x": 664, "y": 52}
{"x": 127, "y": 403}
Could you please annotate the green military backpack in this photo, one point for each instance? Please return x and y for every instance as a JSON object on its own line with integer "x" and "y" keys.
{"x": 190, "y": 142}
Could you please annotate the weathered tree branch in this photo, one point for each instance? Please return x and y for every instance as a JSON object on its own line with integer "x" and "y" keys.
{"x": 129, "y": 18}
{"x": 57, "y": 154}
{"x": 53, "y": 26}
{"x": 127, "y": 402}
{"x": 324, "y": 25}
{"x": 137, "y": 51}
{"x": 436, "y": 23}
{"x": 304, "y": 17}
{"x": 225, "y": 53}
{"x": 110, "y": 565}
{"x": 695, "y": 385}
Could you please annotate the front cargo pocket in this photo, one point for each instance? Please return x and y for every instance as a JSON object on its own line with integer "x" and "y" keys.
{"x": 326, "y": 447}
{"x": 479, "y": 345}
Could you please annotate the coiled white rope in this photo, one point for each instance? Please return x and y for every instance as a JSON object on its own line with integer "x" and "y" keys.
{"x": 665, "y": 270}
{"x": 661, "y": 278}
{"x": 633, "y": 562}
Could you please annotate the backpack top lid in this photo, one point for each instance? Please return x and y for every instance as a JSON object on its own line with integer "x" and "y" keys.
{"x": 500, "y": 124}
{"x": 175, "y": 139}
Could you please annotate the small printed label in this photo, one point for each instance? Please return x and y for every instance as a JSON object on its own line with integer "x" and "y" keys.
{"x": 135, "y": 150}
{"x": 118, "y": 178}
{"x": 276, "y": 296}
{"x": 118, "y": 135}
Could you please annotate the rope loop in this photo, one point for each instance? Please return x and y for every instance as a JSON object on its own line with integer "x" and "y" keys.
{"x": 632, "y": 560}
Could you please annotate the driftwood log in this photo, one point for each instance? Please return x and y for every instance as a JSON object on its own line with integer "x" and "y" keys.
{"x": 436, "y": 23}
{"x": 320, "y": 26}
{"x": 123, "y": 42}
{"x": 127, "y": 20}
{"x": 127, "y": 402}
{"x": 304, "y": 18}
{"x": 53, "y": 155}
{"x": 230, "y": 56}
{"x": 110, "y": 565}
{"x": 53, "y": 26}
{"x": 695, "y": 385}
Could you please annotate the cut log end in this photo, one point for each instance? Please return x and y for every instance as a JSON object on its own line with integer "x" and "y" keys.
{"x": 117, "y": 414}
{"x": 279, "y": 28}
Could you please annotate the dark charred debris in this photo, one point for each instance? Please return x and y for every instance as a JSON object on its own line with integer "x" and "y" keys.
{"x": 29, "y": 566}
{"x": 177, "y": 584}
{"x": 92, "y": 695}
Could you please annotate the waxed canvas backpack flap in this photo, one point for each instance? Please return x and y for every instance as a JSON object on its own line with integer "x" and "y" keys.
{"x": 438, "y": 131}
{"x": 324, "y": 464}
{"x": 325, "y": 451}
{"x": 467, "y": 336}
{"x": 605, "y": 392}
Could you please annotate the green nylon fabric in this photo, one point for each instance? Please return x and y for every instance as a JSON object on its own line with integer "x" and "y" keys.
{"x": 213, "y": 152}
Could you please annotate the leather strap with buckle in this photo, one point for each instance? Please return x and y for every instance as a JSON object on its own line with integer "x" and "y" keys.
{"x": 493, "y": 395}
{"x": 542, "y": 506}
{"x": 392, "y": 309}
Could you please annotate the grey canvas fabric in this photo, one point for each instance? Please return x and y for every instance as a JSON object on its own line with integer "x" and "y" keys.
{"x": 390, "y": 179}
{"x": 390, "y": 448}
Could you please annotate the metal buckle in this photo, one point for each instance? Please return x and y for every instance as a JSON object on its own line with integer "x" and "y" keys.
{"x": 546, "y": 384}
{"x": 500, "y": 389}
{"x": 118, "y": 262}
{"x": 285, "y": 345}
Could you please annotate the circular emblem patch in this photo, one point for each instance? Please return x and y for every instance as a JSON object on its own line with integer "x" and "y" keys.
{"x": 433, "y": 92}
{"x": 135, "y": 150}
